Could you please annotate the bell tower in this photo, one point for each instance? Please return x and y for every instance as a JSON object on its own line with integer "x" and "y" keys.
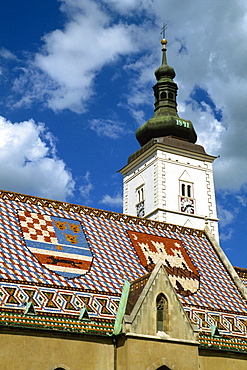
{"x": 170, "y": 178}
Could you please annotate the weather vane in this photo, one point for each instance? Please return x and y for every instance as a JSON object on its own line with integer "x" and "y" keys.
{"x": 163, "y": 30}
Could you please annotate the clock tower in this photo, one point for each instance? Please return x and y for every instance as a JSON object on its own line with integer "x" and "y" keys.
{"x": 170, "y": 178}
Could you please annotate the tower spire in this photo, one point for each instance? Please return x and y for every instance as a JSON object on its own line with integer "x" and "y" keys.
{"x": 164, "y": 42}
{"x": 166, "y": 121}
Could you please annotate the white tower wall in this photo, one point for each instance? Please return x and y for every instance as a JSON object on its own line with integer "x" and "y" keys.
{"x": 157, "y": 176}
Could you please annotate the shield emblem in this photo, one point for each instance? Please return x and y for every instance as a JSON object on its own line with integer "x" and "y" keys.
{"x": 179, "y": 266}
{"x": 58, "y": 243}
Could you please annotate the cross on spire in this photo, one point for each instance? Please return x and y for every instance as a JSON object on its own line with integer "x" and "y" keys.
{"x": 163, "y": 30}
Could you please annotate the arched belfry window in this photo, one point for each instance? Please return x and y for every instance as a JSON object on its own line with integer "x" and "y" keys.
{"x": 186, "y": 185}
{"x": 163, "y": 95}
{"x": 161, "y": 312}
{"x": 170, "y": 96}
{"x": 140, "y": 201}
{"x": 189, "y": 191}
{"x": 186, "y": 189}
{"x": 183, "y": 189}
{"x": 186, "y": 197}
{"x": 186, "y": 194}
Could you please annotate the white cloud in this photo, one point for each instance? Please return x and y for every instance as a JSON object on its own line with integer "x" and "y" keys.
{"x": 6, "y": 57}
{"x": 203, "y": 117}
{"x": 6, "y": 54}
{"x": 200, "y": 48}
{"x": 226, "y": 235}
{"x": 122, "y": 6}
{"x": 109, "y": 128}
{"x": 231, "y": 172}
{"x": 204, "y": 55}
{"x": 115, "y": 201}
{"x": 130, "y": 6}
{"x": 86, "y": 187}
{"x": 31, "y": 85}
{"x": 242, "y": 200}
{"x": 71, "y": 58}
{"x": 28, "y": 161}
{"x": 226, "y": 217}
{"x": 140, "y": 85}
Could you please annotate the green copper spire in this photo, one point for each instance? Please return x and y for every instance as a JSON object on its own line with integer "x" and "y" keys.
{"x": 165, "y": 121}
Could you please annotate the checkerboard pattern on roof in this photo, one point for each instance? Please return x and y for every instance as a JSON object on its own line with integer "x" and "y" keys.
{"x": 37, "y": 226}
{"x": 115, "y": 258}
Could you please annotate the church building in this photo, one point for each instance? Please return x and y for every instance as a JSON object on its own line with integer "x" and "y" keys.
{"x": 148, "y": 289}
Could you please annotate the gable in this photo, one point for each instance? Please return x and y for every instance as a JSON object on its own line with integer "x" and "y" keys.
{"x": 143, "y": 318}
{"x": 185, "y": 177}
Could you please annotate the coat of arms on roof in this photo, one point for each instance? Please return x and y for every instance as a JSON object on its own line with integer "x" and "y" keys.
{"x": 59, "y": 244}
{"x": 179, "y": 266}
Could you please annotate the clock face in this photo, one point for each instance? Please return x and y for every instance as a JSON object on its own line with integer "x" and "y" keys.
{"x": 187, "y": 205}
{"x": 140, "y": 210}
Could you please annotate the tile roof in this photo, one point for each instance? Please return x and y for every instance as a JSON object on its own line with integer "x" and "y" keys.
{"x": 62, "y": 256}
{"x": 56, "y": 324}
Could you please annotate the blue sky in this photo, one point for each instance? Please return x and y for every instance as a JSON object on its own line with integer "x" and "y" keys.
{"x": 76, "y": 82}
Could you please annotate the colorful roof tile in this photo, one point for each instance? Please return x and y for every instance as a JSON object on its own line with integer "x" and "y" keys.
{"x": 62, "y": 257}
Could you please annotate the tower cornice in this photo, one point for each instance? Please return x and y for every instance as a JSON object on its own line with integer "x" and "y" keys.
{"x": 168, "y": 145}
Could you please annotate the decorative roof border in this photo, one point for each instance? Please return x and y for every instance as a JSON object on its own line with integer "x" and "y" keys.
{"x": 93, "y": 212}
{"x": 226, "y": 343}
{"x": 65, "y": 316}
{"x": 226, "y": 323}
{"x": 14, "y": 297}
{"x": 54, "y": 323}
{"x": 189, "y": 307}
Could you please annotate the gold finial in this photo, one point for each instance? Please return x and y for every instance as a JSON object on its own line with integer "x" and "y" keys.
{"x": 163, "y": 41}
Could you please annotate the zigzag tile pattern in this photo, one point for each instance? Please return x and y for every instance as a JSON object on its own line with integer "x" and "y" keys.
{"x": 57, "y": 301}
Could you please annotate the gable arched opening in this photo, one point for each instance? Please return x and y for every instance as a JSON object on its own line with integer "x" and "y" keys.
{"x": 161, "y": 312}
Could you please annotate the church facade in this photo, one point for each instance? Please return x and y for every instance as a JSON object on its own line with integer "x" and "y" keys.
{"x": 149, "y": 289}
